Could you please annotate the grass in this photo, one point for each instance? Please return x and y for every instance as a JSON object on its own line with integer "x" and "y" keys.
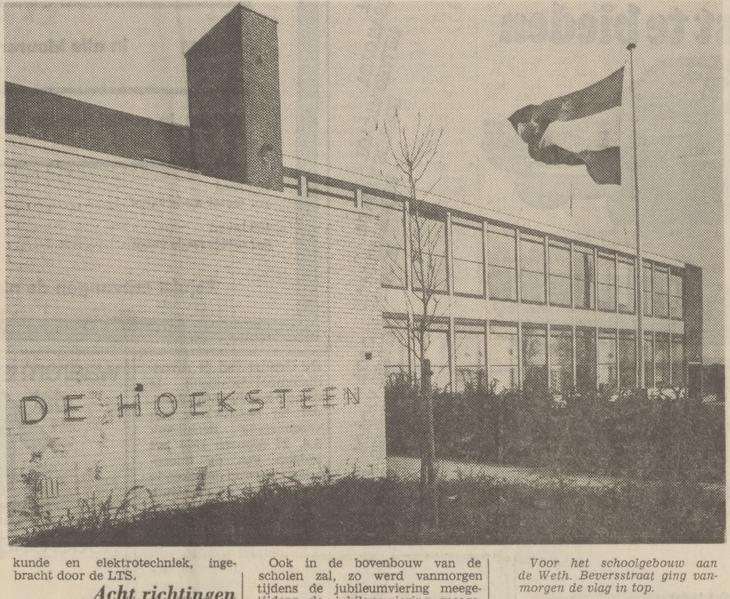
{"x": 355, "y": 511}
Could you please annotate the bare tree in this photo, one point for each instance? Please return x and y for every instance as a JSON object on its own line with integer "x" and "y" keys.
{"x": 411, "y": 153}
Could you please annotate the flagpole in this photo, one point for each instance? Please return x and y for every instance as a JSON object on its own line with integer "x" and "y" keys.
{"x": 639, "y": 262}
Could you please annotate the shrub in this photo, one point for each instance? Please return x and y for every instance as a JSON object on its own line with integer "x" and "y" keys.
{"x": 477, "y": 510}
{"x": 630, "y": 436}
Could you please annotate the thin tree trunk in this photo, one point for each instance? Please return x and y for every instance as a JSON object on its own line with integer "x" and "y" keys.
{"x": 428, "y": 461}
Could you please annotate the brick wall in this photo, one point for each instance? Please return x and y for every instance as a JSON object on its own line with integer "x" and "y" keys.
{"x": 234, "y": 100}
{"x": 139, "y": 299}
{"x": 43, "y": 115}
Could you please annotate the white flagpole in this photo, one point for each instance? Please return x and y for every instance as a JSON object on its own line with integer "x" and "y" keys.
{"x": 639, "y": 263}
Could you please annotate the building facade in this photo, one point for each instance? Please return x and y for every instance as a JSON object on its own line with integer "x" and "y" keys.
{"x": 524, "y": 306}
{"x": 169, "y": 287}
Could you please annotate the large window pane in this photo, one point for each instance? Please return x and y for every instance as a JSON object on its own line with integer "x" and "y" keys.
{"x": 503, "y": 355}
{"x": 468, "y": 260}
{"x": 677, "y": 360}
{"x": 583, "y": 277}
{"x": 627, "y": 359}
{"x": 676, "y": 286}
{"x": 606, "y": 359}
{"x": 429, "y": 263}
{"x": 532, "y": 269}
{"x": 585, "y": 359}
{"x": 648, "y": 360}
{"x": 661, "y": 291}
{"x": 606, "y": 282}
{"x": 559, "y": 274}
{"x": 626, "y": 286}
{"x": 392, "y": 242}
{"x": 395, "y": 352}
{"x": 561, "y": 359}
{"x": 661, "y": 342}
{"x": 502, "y": 263}
{"x": 469, "y": 356}
{"x": 438, "y": 353}
{"x": 534, "y": 358}
{"x": 647, "y": 286}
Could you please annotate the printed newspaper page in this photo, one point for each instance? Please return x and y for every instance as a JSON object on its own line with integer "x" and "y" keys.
{"x": 363, "y": 300}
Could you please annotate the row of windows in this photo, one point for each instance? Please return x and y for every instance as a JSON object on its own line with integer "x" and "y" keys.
{"x": 535, "y": 270}
{"x": 604, "y": 358}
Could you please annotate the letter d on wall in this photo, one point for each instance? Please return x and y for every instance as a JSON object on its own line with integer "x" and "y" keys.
{"x": 25, "y": 418}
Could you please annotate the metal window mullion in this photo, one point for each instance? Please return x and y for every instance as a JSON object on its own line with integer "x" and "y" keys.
{"x": 617, "y": 347}
{"x": 358, "y": 197}
{"x": 518, "y": 265}
{"x": 595, "y": 280}
{"x": 303, "y": 185}
{"x": 519, "y": 354}
{"x": 452, "y": 352}
{"x": 486, "y": 353}
{"x": 615, "y": 283}
{"x": 449, "y": 256}
{"x": 653, "y": 357}
{"x": 485, "y": 259}
{"x": 546, "y": 263}
{"x": 547, "y": 354}
{"x": 595, "y": 347}
{"x": 575, "y": 355}
{"x": 450, "y": 290}
{"x": 572, "y": 275}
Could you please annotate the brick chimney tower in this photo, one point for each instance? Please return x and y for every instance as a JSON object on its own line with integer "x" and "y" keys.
{"x": 235, "y": 101}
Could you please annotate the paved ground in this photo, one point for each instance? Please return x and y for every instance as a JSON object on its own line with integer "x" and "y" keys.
{"x": 408, "y": 468}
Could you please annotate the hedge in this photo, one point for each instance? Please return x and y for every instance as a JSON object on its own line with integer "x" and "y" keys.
{"x": 631, "y": 436}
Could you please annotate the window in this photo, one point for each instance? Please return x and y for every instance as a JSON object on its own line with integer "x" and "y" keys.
{"x": 469, "y": 356}
{"x": 648, "y": 359}
{"x": 392, "y": 242}
{"x": 661, "y": 291}
{"x": 429, "y": 264}
{"x": 534, "y": 358}
{"x": 395, "y": 351}
{"x": 561, "y": 359}
{"x": 677, "y": 360}
{"x": 626, "y": 286}
{"x": 606, "y": 282}
{"x": 532, "y": 269}
{"x": 503, "y": 355}
{"x": 661, "y": 348}
{"x": 585, "y": 359}
{"x": 502, "y": 270}
{"x": 583, "y": 277}
{"x": 627, "y": 359}
{"x": 559, "y": 254}
{"x": 676, "y": 286}
{"x": 437, "y": 351}
{"x": 647, "y": 286}
{"x": 468, "y": 250}
{"x": 606, "y": 359}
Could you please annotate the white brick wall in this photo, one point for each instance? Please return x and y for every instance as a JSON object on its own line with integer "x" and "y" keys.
{"x": 120, "y": 273}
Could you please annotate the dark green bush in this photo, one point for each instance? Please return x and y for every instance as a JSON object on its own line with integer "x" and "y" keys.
{"x": 383, "y": 512}
{"x": 631, "y": 436}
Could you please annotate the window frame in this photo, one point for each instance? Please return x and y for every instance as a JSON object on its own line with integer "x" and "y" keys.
{"x": 494, "y": 229}
{"x": 584, "y": 251}
{"x": 536, "y": 240}
{"x": 563, "y": 246}
{"x": 630, "y": 262}
{"x": 609, "y": 258}
{"x": 455, "y": 261}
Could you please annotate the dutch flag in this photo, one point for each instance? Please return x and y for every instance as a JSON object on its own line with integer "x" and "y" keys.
{"x": 583, "y": 127}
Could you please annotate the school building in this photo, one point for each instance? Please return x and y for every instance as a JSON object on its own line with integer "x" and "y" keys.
{"x": 187, "y": 310}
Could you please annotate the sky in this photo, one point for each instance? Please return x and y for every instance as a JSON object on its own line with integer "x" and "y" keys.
{"x": 345, "y": 68}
